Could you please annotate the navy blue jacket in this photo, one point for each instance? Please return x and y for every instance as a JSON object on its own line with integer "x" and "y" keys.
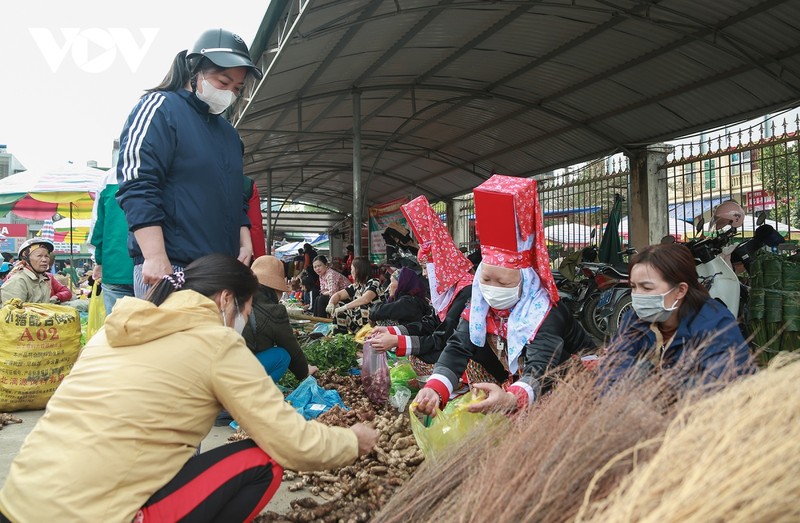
{"x": 709, "y": 344}
{"x": 180, "y": 167}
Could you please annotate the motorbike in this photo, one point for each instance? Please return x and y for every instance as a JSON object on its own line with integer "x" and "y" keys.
{"x": 613, "y": 300}
{"x": 715, "y": 274}
{"x": 575, "y": 280}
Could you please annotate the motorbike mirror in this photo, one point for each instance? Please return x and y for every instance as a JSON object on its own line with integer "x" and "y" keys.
{"x": 668, "y": 239}
{"x": 762, "y": 217}
{"x": 700, "y": 224}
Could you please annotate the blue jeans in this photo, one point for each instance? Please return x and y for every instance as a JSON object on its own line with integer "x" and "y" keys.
{"x": 275, "y": 361}
{"x": 114, "y": 291}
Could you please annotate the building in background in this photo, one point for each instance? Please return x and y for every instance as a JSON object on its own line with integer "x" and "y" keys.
{"x": 8, "y": 163}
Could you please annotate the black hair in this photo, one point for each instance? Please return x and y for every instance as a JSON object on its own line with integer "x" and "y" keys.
{"x": 675, "y": 264}
{"x": 7, "y": 256}
{"x": 350, "y": 248}
{"x": 321, "y": 259}
{"x": 208, "y": 276}
{"x": 181, "y": 72}
{"x": 177, "y": 77}
{"x": 361, "y": 269}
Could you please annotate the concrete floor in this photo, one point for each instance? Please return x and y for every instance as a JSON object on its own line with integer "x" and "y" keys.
{"x": 12, "y": 436}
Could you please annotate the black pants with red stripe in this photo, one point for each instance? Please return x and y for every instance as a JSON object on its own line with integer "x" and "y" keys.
{"x": 230, "y": 483}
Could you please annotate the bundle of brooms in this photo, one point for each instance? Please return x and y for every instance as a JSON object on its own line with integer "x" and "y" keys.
{"x": 539, "y": 468}
{"x": 732, "y": 457}
{"x": 637, "y": 452}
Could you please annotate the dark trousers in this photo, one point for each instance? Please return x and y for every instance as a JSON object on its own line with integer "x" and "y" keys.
{"x": 320, "y": 302}
{"x": 230, "y": 483}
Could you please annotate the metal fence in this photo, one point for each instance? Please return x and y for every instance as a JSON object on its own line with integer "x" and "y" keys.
{"x": 757, "y": 167}
{"x": 574, "y": 203}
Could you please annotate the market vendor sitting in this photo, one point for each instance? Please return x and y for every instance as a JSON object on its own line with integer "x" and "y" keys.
{"x": 350, "y": 306}
{"x": 268, "y": 333}
{"x": 513, "y": 310}
{"x": 406, "y": 301}
{"x": 450, "y": 279}
{"x": 28, "y": 280}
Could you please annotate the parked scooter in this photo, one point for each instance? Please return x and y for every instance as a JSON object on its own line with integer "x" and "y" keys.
{"x": 613, "y": 300}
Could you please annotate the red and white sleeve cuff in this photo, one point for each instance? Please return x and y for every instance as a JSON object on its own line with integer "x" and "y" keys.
{"x": 403, "y": 344}
{"x": 394, "y": 331}
{"x": 524, "y": 393}
{"x": 441, "y": 386}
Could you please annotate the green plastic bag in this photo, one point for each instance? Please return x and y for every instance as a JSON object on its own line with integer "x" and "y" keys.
{"x": 403, "y": 375}
{"x": 435, "y": 436}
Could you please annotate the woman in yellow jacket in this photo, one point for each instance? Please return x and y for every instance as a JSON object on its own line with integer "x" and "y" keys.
{"x": 118, "y": 439}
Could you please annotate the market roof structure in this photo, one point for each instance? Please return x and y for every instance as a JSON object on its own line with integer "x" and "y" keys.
{"x": 450, "y": 91}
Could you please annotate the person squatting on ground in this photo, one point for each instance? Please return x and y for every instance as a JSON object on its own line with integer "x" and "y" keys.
{"x": 350, "y": 306}
{"x": 513, "y": 310}
{"x": 118, "y": 439}
{"x": 675, "y": 323}
{"x": 180, "y": 168}
{"x": 450, "y": 281}
{"x": 330, "y": 282}
{"x": 114, "y": 267}
{"x": 28, "y": 280}
{"x": 268, "y": 333}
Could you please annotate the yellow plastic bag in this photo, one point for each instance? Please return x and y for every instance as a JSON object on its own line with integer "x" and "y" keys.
{"x": 97, "y": 313}
{"x": 39, "y": 344}
{"x": 451, "y": 426}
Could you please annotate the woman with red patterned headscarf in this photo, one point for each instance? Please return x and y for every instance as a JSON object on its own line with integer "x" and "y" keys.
{"x": 513, "y": 311}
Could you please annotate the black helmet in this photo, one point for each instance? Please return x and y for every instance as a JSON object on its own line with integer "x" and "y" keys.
{"x": 224, "y": 49}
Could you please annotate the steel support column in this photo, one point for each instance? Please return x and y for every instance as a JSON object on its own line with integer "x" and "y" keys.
{"x": 269, "y": 211}
{"x": 357, "y": 212}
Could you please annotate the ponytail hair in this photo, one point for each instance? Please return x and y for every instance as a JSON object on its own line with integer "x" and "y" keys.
{"x": 178, "y": 76}
{"x": 208, "y": 276}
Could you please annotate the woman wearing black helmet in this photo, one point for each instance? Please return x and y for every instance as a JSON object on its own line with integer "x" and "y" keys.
{"x": 28, "y": 280}
{"x": 180, "y": 168}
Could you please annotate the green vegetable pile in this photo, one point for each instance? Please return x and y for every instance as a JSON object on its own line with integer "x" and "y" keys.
{"x": 333, "y": 352}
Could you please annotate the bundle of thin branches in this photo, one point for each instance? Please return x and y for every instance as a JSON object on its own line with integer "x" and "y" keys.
{"x": 732, "y": 457}
{"x": 540, "y": 468}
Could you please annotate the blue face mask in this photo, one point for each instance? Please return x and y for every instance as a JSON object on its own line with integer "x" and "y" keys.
{"x": 651, "y": 308}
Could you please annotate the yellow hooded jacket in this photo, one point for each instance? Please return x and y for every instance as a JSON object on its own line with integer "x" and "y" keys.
{"x": 143, "y": 394}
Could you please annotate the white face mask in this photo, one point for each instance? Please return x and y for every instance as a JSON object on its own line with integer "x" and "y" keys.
{"x": 217, "y": 99}
{"x": 239, "y": 321}
{"x": 500, "y": 298}
{"x": 651, "y": 308}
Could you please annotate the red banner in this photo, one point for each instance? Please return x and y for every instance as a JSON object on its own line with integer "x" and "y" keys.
{"x": 760, "y": 201}
{"x": 14, "y": 230}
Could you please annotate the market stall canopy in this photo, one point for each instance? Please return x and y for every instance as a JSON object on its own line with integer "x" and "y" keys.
{"x": 69, "y": 189}
{"x": 451, "y": 92}
{"x": 680, "y": 229}
{"x": 575, "y": 234}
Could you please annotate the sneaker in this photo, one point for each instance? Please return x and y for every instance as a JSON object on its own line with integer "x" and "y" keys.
{"x": 223, "y": 419}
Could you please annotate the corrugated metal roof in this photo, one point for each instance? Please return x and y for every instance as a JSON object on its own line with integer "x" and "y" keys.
{"x": 454, "y": 90}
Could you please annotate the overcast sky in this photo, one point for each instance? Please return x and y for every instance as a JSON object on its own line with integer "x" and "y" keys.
{"x": 73, "y": 70}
